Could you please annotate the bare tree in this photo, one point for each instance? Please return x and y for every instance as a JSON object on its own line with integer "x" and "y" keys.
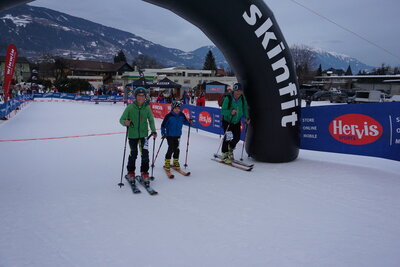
{"x": 304, "y": 60}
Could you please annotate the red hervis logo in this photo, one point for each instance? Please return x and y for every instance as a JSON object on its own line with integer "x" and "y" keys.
{"x": 355, "y": 129}
{"x": 205, "y": 118}
{"x": 186, "y": 112}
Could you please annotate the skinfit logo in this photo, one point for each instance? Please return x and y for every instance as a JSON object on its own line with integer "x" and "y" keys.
{"x": 355, "y": 129}
{"x": 205, "y": 118}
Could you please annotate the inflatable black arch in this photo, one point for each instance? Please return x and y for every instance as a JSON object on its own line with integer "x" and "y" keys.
{"x": 248, "y": 35}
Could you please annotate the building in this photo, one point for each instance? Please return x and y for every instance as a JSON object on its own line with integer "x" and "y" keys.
{"x": 188, "y": 78}
{"x": 22, "y": 72}
{"x": 96, "y": 72}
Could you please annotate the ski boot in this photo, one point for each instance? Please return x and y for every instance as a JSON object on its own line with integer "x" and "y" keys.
{"x": 131, "y": 177}
{"x": 145, "y": 178}
{"x": 230, "y": 153}
{"x": 167, "y": 164}
{"x": 225, "y": 158}
{"x": 176, "y": 164}
{"x": 231, "y": 156}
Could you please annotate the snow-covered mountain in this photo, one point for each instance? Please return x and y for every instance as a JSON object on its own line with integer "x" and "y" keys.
{"x": 337, "y": 61}
{"x": 325, "y": 58}
{"x": 40, "y": 32}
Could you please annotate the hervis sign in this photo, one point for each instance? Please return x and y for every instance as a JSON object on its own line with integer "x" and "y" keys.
{"x": 355, "y": 129}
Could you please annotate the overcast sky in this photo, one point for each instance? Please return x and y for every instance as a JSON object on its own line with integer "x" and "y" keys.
{"x": 378, "y": 21}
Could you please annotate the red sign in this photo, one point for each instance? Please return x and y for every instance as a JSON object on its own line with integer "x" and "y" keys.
{"x": 355, "y": 129}
{"x": 160, "y": 110}
{"x": 205, "y": 118}
{"x": 11, "y": 58}
{"x": 186, "y": 112}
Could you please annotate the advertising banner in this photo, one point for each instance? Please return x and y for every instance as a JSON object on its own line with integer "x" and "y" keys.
{"x": 160, "y": 109}
{"x": 204, "y": 118}
{"x": 83, "y": 98}
{"x": 215, "y": 89}
{"x": 9, "y": 67}
{"x": 7, "y": 107}
{"x": 361, "y": 129}
{"x": 91, "y": 98}
{"x": 68, "y": 96}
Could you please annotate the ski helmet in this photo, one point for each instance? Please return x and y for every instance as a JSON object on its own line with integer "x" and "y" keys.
{"x": 140, "y": 90}
{"x": 237, "y": 86}
{"x": 176, "y": 104}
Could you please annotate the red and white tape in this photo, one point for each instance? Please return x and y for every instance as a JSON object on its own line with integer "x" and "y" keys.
{"x": 60, "y": 137}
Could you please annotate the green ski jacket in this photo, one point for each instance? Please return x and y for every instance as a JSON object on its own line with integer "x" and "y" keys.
{"x": 229, "y": 104}
{"x": 140, "y": 118}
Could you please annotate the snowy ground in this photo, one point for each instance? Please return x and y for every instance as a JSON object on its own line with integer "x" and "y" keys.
{"x": 60, "y": 204}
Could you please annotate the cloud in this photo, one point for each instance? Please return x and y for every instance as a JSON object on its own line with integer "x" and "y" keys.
{"x": 372, "y": 19}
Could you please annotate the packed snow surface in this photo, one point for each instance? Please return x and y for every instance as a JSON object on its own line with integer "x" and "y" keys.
{"x": 60, "y": 204}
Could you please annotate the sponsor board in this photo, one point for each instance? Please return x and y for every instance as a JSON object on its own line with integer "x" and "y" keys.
{"x": 362, "y": 129}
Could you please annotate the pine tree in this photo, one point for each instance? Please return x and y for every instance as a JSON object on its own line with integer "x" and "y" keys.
{"x": 349, "y": 71}
{"x": 319, "y": 70}
{"x": 120, "y": 57}
{"x": 143, "y": 62}
{"x": 209, "y": 62}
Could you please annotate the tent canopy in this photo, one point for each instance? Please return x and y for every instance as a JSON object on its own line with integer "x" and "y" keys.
{"x": 142, "y": 82}
{"x": 167, "y": 83}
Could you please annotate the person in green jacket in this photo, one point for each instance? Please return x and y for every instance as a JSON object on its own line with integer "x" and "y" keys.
{"x": 234, "y": 107}
{"x": 137, "y": 117}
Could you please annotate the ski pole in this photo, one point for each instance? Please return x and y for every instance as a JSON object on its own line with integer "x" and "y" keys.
{"x": 152, "y": 164}
{"x": 154, "y": 159}
{"x": 162, "y": 140}
{"x": 187, "y": 147}
{"x": 244, "y": 141}
{"x": 121, "y": 184}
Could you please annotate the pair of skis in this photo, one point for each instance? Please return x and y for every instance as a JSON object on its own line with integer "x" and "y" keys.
{"x": 172, "y": 176}
{"x": 145, "y": 184}
{"x": 235, "y": 163}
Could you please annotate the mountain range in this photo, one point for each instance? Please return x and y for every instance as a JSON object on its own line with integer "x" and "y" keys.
{"x": 40, "y": 32}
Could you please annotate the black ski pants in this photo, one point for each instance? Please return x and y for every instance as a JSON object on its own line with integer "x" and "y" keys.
{"x": 235, "y": 129}
{"x": 142, "y": 143}
{"x": 173, "y": 147}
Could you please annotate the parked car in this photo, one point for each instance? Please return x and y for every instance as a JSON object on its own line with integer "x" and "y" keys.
{"x": 339, "y": 98}
{"x": 322, "y": 96}
{"x": 331, "y": 96}
{"x": 393, "y": 98}
{"x": 304, "y": 93}
{"x": 369, "y": 96}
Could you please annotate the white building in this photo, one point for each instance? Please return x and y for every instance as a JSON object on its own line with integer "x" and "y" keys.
{"x": 188, "y": 78}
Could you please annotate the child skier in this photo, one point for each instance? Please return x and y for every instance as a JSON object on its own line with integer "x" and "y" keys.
{"x": 171, "y": 128}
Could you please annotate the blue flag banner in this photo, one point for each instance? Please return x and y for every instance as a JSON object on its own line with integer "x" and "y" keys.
{"x": 7, "y": 107}
{"x": 91, "y": 98}
{"x": 208, "y": 119}
{"x": 68, "y": 96}
{"x": 361, "y": 129}
{"x": 83, "y": 98}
